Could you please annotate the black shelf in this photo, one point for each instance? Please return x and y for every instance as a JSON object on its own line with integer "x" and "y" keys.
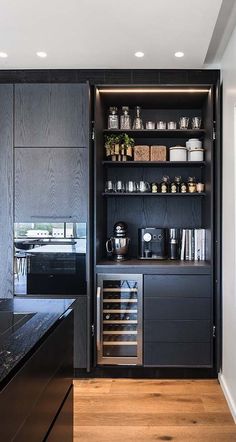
{"x": 132, "y": 194}
{"x": 157, "y": 262}
{"x": 148, "y": 266}
{"x": 154, "y": 163}
{"x": 158, "y": 133}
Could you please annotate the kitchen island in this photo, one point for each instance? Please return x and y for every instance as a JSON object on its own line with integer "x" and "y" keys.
{"x": 36, "y": 369}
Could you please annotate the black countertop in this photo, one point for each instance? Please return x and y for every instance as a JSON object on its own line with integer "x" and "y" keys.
{"x": 23, "y": 324}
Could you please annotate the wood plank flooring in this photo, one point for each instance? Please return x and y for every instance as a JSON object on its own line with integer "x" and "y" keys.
{"x": 133, "y": 410}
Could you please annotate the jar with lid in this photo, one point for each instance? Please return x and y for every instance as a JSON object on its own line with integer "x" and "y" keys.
{"x": 138, "y": 122}
{"x": 113, "y": 120}
{"x": 165, "y": 184}
{"x": 192, "y": 186}
{"x": 154, "y": 187}
{"x": 175, "y": 185}
{"x": 125, "y": 119}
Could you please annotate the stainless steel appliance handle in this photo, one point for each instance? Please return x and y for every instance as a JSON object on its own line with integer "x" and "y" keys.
{"x": 109, "y": 241}
{"x": 98, "y": 318}
{"x": 51, "y": 216}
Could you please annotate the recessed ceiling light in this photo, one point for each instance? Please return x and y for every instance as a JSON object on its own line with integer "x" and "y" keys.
{"x": 179, "y": 54}
{"x": 139, "y": 54}
{"x": 42, "y": 54}
{"x": 3, "y": 55}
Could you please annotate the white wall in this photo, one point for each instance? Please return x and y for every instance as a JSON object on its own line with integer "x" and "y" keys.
{"x": 228, "y": 375}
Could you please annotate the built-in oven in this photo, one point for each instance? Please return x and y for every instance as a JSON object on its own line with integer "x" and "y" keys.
{"x": 50, "y": 259}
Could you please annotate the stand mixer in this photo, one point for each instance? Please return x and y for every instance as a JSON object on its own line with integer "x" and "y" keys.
{"x": 117, "y": 246}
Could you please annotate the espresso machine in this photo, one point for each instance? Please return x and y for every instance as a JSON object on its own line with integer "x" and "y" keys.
{"x": 117, "y": 246}
{"x": 152, "y": 243}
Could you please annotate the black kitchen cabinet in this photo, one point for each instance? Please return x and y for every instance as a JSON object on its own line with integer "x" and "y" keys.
{"x": 33, "y": 397}
{"x": 51, "y": 183}
{"x": 80, "y": 332}
{"x": 62, "y": 428}
{"x": 6, "y": 190}
{"x": 178, "y": 311}
{"x": 51, "y": 115}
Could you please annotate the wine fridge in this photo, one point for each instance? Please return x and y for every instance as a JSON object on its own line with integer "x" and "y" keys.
{"x": 119, "y": 319}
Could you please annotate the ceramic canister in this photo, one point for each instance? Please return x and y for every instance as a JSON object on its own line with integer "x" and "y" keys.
{"x": 195, "y": 154}
{"x": 193, "y": 142}
{"x": 178, "y": 153}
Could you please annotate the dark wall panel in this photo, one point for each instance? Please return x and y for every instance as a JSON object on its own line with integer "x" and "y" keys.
{"x": 6, "y": 191}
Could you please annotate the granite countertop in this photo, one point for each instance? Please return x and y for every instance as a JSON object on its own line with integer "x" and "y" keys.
{"x": 33, "y": 318}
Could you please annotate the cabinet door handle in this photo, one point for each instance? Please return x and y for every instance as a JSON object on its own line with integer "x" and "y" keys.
{"x": 98, "y": 319}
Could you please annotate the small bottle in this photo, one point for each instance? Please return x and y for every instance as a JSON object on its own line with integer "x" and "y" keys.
{"x": 113, "y": 120}
{"x": 125, "y": 120}
{"x": 192, "y": 187}
{"x": 183, "y": 187}
{"x": 165, "y": 184}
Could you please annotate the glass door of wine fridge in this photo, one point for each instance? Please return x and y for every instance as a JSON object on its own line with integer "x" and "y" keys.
{"x": 119, "y": 319}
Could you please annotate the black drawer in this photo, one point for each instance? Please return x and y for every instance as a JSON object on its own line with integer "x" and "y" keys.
{"x": 177, "y": 285}
{"x": 177, "y": 331}
{"x": 177, "y": 308}
{"x": 177, "y": 354}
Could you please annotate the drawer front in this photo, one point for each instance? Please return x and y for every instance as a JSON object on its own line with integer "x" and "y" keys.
{"x": 177, "y": 331}
{"x": 177, "y": 285}
{"x": 177, "y": 354}
{"x": 177, "y": 308}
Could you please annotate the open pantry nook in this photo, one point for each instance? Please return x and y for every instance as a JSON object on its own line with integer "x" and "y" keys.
{"x": 154, "y": 158}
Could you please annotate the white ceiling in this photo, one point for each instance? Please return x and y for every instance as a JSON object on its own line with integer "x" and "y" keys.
{"x": 106, "y": 33}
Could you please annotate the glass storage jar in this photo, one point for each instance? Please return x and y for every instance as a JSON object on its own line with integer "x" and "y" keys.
{"x": 138, "y": 122}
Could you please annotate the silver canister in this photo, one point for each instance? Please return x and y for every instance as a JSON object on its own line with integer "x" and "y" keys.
{"x": 150, "y": 125}
{"x": 171, "y": 125}
{"x": 161, "y": 125}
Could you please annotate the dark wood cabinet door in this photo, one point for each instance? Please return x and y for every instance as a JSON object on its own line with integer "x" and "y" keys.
{"x": 51, "y": 183}
{"x": 51, "y": 115}
{"x": 178, "y": 320}
{"x": 6, "y": 194}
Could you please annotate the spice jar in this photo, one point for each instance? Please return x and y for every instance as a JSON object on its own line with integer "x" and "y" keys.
{"x": 154, "y": 187}
{"x": 165, "y": 184}
{"x": 200, "y": 187}
{"x": 175, "y": 185}
{"x": 183, "y": 187}
{"x": 113, "y": 121}
{"x": 192, "y": 187}
{"x": 125, "y": 120}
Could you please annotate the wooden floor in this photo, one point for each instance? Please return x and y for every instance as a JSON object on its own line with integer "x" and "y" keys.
{"x": 130, "y": 410}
